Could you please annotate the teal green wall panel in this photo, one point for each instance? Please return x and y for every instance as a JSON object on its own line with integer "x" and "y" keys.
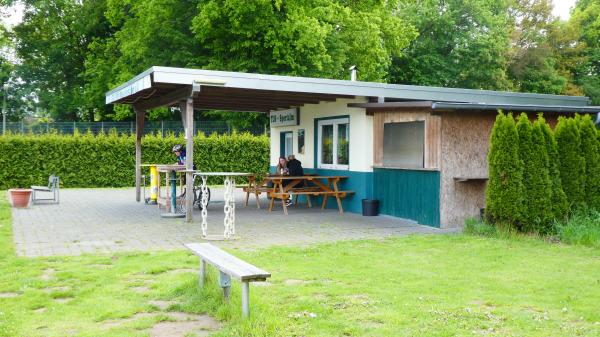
{"x": 409, "y": 194}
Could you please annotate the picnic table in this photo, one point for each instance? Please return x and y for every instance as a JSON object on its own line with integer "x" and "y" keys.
{"x": 307, "y": 185}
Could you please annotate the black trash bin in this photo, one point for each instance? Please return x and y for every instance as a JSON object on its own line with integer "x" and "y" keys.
{"x": 370, "y": 207}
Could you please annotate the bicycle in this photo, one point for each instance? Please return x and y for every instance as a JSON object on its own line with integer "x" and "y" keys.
{"x": 197, "y": 190}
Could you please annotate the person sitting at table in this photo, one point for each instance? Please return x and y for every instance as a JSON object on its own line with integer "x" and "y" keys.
{"x": 294, "y": 166}
{"x": 282, "y": 167}
{"x": 179, "y": 152}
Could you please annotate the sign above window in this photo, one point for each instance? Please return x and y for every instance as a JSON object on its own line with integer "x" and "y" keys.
{"x": 287, "y": 117}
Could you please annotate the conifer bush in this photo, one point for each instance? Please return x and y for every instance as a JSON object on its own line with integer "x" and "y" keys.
{"x": 504, "y": 192}
{"x": 589, "y": 150}
{"x": 539, "y": 197}
{"x": 560, "y": 205}
{"x": 536, "y": 182}
{"x": 571, "y": 161}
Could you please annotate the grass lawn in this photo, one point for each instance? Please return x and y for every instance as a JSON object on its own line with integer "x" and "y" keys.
{"x": 450, "y": 285}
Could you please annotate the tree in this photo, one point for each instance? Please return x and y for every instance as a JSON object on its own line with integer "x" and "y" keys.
{"x": 591, "y": 154}
{"x": 533, "y": 66}
{"x": 571, "y": 162}
{"x": 560, "y": 205}
{"x": 51, "y": 44}
{"x": 318, "y": 38}
{"x": 504, "y": 192}
{"x": 586, "y": 20}
{"x": 460, "y": 44}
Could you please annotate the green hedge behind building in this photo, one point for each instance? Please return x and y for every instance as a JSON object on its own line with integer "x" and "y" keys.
{"x": 108, "y": 160}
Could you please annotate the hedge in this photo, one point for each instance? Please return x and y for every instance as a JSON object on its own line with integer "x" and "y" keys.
{"x": 108, "y": 160}
{"x": 559, "y": 171}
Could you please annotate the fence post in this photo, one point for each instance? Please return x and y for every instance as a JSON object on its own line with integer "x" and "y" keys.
{"x": 162, "y": 128}
{"x": 228, "y": 129}
{"x": 47, "y": 127}
{"x": 130, "y": 128}
{"x": 22, "y": 127}
{"x": 74, "y": 126}
{"x": 102, "y": 126}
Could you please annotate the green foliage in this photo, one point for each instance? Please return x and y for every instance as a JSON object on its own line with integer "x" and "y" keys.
{"x": 532, "y": 66}
{"x": 72, "y": 52}
{"x": 560, "y": 205}
{"x": 571, "y": 161}
{"x": 591, "y": 154}
{"x": 460, "y": 44}
{"x": 504, "y": 194}
{"x": 585, "y": 20}
{"x": 582, "y": 228}
{"x": 108, "y": 160}
{"x": 481, "y": 228}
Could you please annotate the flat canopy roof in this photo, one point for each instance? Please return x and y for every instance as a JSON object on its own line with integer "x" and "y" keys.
{"x": 160, "y": 86}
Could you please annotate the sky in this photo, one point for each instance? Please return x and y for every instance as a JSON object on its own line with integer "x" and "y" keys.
{"x": 562, "y": 8}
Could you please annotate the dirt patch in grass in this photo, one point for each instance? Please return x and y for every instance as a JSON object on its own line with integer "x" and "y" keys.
{"x": 8, "y": 295}
{"x": 63, "y": 299}
{"x": 48, "y": 274}
{"x": 185, "y": 325}
{"x": 40, "y": 310}
{"x": 140, "y": 289}
{"x": 56, "y": 289}
{"x": 118, "y": 322}
{"x": 162, "y": 305}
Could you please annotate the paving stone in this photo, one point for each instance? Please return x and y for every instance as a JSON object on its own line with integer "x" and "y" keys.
{"x": 103, "y": 221}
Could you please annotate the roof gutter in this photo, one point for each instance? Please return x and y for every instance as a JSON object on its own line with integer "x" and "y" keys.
{"x": 516, "y": 107}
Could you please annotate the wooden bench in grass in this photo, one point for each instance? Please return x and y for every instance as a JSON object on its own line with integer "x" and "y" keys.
{"x": 229, "y": 266}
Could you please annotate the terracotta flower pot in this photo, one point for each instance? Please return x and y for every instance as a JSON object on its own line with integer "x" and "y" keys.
{"x": 20, "y": 197}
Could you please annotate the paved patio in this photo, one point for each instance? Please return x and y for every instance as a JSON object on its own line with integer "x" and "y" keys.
{"x": 109, "y": 220}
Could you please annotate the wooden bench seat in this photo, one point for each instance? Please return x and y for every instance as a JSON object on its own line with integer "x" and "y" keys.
{"x": 311, "y": 193}
{"x": 228, "y": 266}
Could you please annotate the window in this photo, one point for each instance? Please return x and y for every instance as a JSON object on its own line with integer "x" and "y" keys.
{"x": 286, "y": 143}
{"x": 404, "y": 144}
{"x": 333, "y": 143}
{"x": 301, "y": 141}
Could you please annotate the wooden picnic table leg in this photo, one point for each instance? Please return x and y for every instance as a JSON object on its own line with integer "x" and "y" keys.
{"x": 272, "y": 200}
{"x": 283, "y": 202}
{"x": 308, "y": 200}
{"x": 257, "y": 193}
{"x": 250, "y": 184}
{"x": 325, "y": 196}
{"x": 337, "y": 195}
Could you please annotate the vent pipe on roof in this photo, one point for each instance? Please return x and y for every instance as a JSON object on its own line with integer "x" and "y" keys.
{"x": 353, "y": 71}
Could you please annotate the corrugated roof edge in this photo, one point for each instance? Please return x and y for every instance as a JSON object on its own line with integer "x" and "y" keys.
{"x": 574, "y": 100}
{"x": 514, "y": 107}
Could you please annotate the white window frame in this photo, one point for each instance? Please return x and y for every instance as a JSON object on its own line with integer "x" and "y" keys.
{"x": 335, "y": 123}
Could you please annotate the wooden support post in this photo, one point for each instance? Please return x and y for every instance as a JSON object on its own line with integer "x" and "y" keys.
{"x": 202, "y": 272}
{"x": 225, "y": 283}
{"x": 245, "y": 299}
{"x": 189, "y": 160}
{"x": 139, "y": 130}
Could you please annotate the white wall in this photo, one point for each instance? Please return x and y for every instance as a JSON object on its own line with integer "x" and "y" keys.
{"x": 361, "y": 133}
